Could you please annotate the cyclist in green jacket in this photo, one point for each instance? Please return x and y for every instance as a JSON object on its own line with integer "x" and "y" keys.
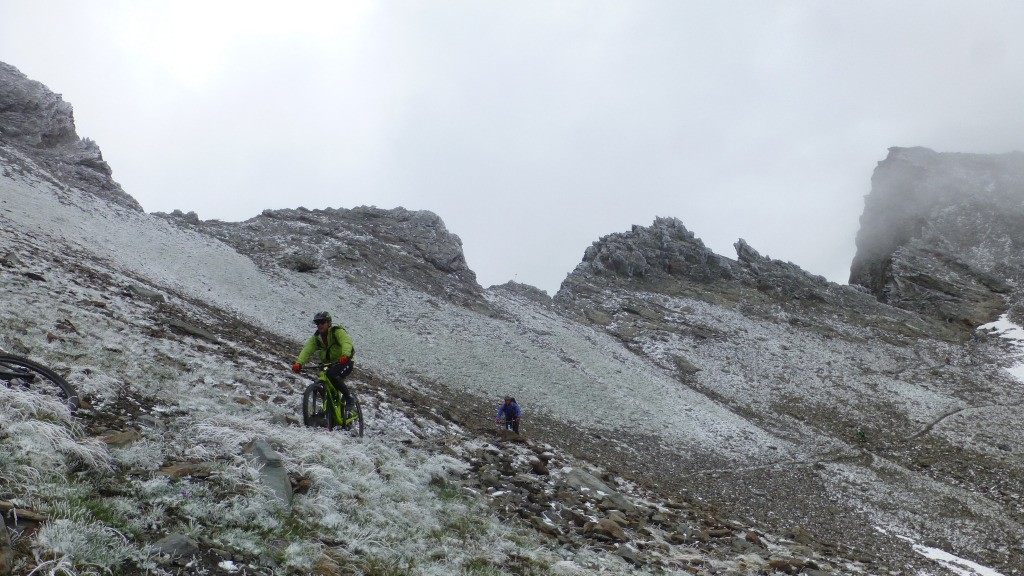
{"x": 336, "y": 352}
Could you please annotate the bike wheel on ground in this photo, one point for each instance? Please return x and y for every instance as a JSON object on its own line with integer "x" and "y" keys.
{"x": 314, "y": 402}
{"x": 23, "y": 373}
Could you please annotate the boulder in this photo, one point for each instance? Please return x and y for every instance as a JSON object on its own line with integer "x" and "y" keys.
{"x": 177, "y": 546}
{"x": 272, "y": 470}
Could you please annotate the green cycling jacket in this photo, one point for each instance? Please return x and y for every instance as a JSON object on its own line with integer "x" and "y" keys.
{"x": 338, "y": 344}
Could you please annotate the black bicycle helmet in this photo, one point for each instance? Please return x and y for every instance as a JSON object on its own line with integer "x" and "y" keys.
{"x": 321, "y": 317}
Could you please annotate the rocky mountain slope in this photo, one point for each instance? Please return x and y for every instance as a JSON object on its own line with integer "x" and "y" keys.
{"x": 873, "y": 425}
{"x": 686, "y": 412}
{"x": 35, "y": 120}
{"x": 941, "y": 234}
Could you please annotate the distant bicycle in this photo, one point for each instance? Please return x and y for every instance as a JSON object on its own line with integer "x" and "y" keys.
{"x": 18, "y": 372}
{"x": 322, "y": 406}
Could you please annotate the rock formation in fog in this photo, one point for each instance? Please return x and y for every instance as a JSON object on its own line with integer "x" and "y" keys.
{"x": 39, "y": 122}
{"x": 941, "y": 234}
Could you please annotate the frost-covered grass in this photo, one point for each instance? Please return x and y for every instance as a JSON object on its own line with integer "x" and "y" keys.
{"x": 38, "y": 437}
{"x": 89, "y": 545}
{"x": 39, "y": 444}
{"x": 380, "y": 505}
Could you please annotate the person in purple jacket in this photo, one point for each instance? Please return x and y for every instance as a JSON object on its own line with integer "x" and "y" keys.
{"x": 509, "y": 412}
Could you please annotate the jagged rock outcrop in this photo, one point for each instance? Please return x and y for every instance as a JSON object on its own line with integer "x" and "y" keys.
{"x": 656, "y": 257}
{"x": 35, "y": 120}
{"x": 665, "y": 258}
{"x": 366, "y": 245}
{"x": 942, "y": 234}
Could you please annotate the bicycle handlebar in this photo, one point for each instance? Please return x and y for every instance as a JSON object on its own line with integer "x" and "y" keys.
{"x": 312, "y": 368}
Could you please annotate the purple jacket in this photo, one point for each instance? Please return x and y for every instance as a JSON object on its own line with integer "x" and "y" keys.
{"x": 510, "y": 411}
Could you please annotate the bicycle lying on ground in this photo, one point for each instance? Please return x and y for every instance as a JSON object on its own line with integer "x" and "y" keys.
{"x": 23, "y": 373}
{"x": 322, "y": 406}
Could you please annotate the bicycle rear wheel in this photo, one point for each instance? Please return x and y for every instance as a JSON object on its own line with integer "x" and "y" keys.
{"x": 313, "y": 405}
{"x": 23, "y": 373}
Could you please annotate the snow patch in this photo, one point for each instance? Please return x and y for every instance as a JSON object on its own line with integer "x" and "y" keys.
{"x": 1008, "y": 330}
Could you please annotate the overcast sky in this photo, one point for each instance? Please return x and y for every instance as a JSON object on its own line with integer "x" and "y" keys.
{"x": 531, "y": 128}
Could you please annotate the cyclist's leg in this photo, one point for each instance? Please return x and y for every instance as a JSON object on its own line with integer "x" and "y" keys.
{"x": 336, "y": 372}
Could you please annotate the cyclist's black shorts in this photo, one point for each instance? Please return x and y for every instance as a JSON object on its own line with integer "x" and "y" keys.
{"x": 337, "y": 372}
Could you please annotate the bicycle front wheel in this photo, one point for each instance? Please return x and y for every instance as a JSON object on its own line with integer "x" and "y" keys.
{"x": 313, "y": 405}
{"x": 26, "y": 374}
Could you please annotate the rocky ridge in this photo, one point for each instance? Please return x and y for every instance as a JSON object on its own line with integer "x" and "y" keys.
{"x": 364, "y": 244}
{"x": 665, "y": 258}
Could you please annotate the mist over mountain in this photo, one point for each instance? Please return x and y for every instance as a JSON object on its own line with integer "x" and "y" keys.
{"x": 685, "y": 411}
{"x": 941, "y": 234}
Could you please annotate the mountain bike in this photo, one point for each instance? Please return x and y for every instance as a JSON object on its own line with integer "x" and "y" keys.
{"x": 25, "y": 374}
{"x": 322, "y": 406}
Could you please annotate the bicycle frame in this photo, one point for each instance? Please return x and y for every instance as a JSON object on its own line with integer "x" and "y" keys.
{"x": 332, "y": 399}
{"x": 8, "y": 373}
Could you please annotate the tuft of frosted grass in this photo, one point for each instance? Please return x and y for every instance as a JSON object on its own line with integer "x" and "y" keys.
{"x": 57, "y": 567}
{"x": 223, "y": 437}
{"x": 45, "y": 446}
{"x": 41, "y": 437}
{"x": 27, "y": 404}
{"x": 244, "y": 541}
{"x": 85, "y": 543}
{"x": 38, "y": 437}
{"x": 144, "y": 454}
{"x": 302, "y": 556}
